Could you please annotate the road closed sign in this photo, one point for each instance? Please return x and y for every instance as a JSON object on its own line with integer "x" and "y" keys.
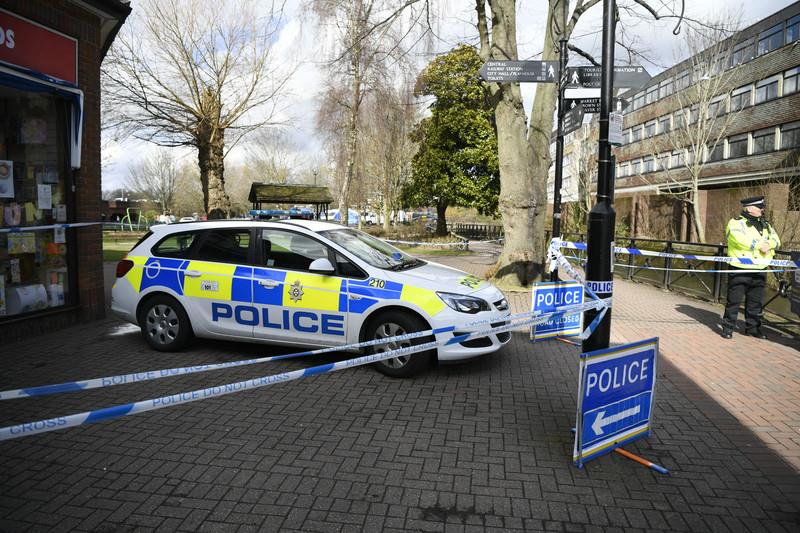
{"x": 615, "y": 398}
{"x": 548, "y": 297}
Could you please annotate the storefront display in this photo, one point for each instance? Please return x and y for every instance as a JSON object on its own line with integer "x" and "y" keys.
{"x": 33, "y": 192}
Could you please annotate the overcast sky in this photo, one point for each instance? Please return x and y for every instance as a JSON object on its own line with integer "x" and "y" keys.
{"x": 299, "y": 44}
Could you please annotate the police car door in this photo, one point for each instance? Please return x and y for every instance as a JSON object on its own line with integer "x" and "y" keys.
{"x": 218, "y": 283}
{"x": 296, "y": 305}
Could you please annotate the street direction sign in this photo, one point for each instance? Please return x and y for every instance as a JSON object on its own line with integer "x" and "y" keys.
{"x": 632, "y": 77}
{"x": 546, "y": 296}
{"x": 520, "y": 71}
{"x": 573, "y": 118}
{"x": 592, "y": 105}
{"x": 615, "y": 398}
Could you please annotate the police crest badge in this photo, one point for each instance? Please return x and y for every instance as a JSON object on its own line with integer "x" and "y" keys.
{"x": 296, "y": 291}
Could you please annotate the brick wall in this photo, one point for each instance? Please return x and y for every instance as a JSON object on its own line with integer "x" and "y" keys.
{"x": 84, "y": 26}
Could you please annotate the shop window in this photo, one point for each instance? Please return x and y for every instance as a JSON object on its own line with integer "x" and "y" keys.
{"x": 741, "y": 98}
{"x": 737, "y": 146}
{"x": 767, "y": 90}
{"x": 224, "y": 246}
{"x": 790, "y": 135}
{"x": 742, "y": 53}
{"x": 793, "y": 29}
{"x": 764, "y": 141}
{"x": 35, "y": 272}
{"x": 790, "y": 81}
{"x": 177, "y": 245}
{"x": 770, "y": 39}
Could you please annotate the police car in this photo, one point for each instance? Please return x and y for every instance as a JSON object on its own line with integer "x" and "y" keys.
{"x": 298, "y": 283}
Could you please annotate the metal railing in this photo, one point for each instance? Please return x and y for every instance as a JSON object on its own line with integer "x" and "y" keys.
{"x": 684, "y": 276}
{"x": 476, "y": 231}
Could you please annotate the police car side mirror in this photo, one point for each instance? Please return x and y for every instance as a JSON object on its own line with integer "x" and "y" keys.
{"x": 322, "y": 266}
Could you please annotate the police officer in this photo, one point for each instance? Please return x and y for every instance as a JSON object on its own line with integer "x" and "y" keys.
{"x": 751, "y": 237}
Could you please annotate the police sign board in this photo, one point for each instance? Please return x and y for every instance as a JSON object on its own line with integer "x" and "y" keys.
{"x": 546, "y": 297}
{"x": 615, "y": 398}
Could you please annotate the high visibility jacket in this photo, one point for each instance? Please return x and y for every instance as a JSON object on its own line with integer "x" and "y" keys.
{"x": 744, "y": 241}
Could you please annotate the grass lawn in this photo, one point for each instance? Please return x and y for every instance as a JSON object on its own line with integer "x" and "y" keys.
{"x": 117, "y": 243}
{"x": 424, "y": 250}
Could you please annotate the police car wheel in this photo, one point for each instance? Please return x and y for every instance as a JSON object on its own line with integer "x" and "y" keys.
{"x": 164, "y": 324}
{"x": 392, "y": 326}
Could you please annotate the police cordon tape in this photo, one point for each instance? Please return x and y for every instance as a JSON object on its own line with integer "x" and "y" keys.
{"x": 415, "y": 243}
{"x": 49, "y": 226}
{"x": 722, "y": 259}
{"x": 108, "y": 413}
{"x": 700, "y": 270}
{"x": 137, "y": 377}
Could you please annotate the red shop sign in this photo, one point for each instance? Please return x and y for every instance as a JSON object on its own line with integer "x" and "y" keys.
{"x": 27, "y": 44}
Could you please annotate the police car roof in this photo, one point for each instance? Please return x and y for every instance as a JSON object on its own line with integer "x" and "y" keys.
{"x": 311, "y": 225}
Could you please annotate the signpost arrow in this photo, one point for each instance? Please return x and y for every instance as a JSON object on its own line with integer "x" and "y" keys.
{"x": 602, "y": 421}
{"x": 592, "y": 105}
{"x": 632, "y": 77}
{"x": 520, "y": 71}
{"x": 573, "y": 119}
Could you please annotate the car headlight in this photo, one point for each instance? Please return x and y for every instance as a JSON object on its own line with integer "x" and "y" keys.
{"x": 462, "y": 303}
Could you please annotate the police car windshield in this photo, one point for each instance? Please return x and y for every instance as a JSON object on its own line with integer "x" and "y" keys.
{"x": 371, "y": 250}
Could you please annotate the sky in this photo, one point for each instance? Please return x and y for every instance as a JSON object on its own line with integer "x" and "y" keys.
{"x": 302, "y": 44}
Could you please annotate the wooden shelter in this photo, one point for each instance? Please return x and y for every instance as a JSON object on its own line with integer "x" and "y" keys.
{"x": 278, "y": 193}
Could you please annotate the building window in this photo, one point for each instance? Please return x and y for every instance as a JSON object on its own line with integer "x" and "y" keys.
{"x": 677, "y": 159}
{"x": 663, "y": 162}
{"x": 694, "y": 113}
{"x": 624, "y": 170}
{"x": 636, "y": 134}
{"x": 790, "y": 135}
{"x": 742, "y": 53}
{"x": 716, "y": 107}
{"x": 652, "y": 95}
{"x": 770, "y": 39}
{"x": 680, "y": 119}
{"x": 663, "y": 124}
{"x": 767, "y": 90}
{"x": 737, "y": 146}
{"x": 764, "y": 141}
{"x": 636, "y": 167}
{"x": 682, "y": 80}
{"x": 665, "y": 88}
{"x": 638, "y": 101}
{"x": 790, "y": 81}
{"x": 648, "y": 164}
{"x": 626, "y": 136}
{"x": 741, "y": 98}
{"x": 793, "y": 29}
{"x": 716, "y": 153}
{"x": 650, "y": 129}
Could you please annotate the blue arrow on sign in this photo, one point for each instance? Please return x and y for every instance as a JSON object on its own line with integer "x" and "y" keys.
{"x": 615, "y": 400}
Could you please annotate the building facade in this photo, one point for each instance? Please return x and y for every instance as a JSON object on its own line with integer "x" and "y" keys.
{"x": 51, "y": 274}
{"x": 757, "y": 124}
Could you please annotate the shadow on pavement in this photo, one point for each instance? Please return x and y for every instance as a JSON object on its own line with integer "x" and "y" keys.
{"x": 713, "y": 321}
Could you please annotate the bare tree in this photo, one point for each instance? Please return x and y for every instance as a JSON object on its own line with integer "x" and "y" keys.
{"x": 155, "y": 178}
{"x": 705, "y": 114}
{"x": 194, "y": 73}
{"x": 368, "y": 41}
{"x": 271, "y": 156}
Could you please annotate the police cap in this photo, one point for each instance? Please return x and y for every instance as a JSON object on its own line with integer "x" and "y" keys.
{"x": 756, "y": 201}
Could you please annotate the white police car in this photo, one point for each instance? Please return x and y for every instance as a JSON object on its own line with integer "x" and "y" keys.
{"x": 298, "y": 282}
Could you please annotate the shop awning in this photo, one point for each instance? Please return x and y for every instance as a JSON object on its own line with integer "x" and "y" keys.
{"x": 28, "y": 80}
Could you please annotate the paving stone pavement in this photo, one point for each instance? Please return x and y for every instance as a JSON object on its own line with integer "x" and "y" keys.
{"x": 482, "y": 446}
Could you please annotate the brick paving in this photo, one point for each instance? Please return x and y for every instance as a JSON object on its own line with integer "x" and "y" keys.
{"x": 482, "y": 446}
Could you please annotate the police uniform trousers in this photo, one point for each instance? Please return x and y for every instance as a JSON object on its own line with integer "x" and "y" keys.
{"x": 747, "y": 286}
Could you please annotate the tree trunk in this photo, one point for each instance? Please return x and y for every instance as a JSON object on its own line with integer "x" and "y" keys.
{"x": 524, "y": 154}
{"x": 385, "y": 208}
{"x": 352, "y": 126}
{"x": 699, "y": 230}
{"x": 210, "y": 157}
{"x": 441, "y": 221}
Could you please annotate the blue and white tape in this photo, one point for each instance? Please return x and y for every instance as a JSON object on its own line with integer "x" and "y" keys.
{"x": 108, "y": 413}
{"x": 47, "y": 227}
{"x": 785, "y": 263}
{"x": 414, "y": 243}
{"x": 149, "y": 375}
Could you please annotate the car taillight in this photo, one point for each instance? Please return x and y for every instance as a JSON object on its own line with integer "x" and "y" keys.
{"x": 123, "y": 267}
